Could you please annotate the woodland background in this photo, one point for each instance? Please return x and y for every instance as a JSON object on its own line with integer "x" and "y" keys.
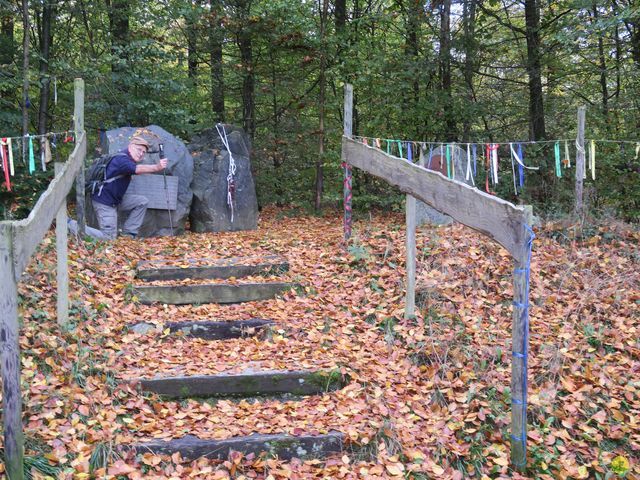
{"x": 478, "y": 70}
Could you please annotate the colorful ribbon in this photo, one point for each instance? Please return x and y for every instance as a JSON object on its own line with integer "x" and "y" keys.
{"x": 409, "y": 152}
{"x": 43, "y": 157}
{"x": 513, "y": 169}
{"x": 11, "y": 165}
{"x": 592, "y": 159}
{"x": 475, "y": 160}
{"x": 5, "y": 163}
{"x": 567, "y": 158}
{"x": 448, "y": 157}
{"x": 492, "y": 161}
{"x": 469, "y": 174}
{"x": 32, "y": 160}
{"x": 399, "y": 148}
{"x": 520, "y": 166}
{"x": 556, "y": 152}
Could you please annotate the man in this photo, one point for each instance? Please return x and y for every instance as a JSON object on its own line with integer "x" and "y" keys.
{"x": 110, "y": 200}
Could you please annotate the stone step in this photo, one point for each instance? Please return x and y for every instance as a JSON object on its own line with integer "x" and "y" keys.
{"x": 283, "y": 446}
{"x": 210, "y": 293}
{"x": 209, "y": 329}
{"x": 246, "y": 384}
{"x": 226, "y": 268}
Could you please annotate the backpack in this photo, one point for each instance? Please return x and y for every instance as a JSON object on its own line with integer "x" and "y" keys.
{"x": 96, "y": 175}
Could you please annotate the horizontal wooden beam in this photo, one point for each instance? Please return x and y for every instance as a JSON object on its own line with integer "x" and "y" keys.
{"x": 283, "y": 446}
{"x": 498, "y": 219}
{"x": 246, "y": 384}
{"x": 210, "y": 293}
{"x": 28, "y": 233}
{"x": 198, "y": 268}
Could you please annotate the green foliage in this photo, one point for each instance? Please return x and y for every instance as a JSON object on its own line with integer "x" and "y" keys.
{"x": 158, "y": 71}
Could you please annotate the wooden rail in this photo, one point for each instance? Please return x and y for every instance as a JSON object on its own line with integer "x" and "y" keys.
{"x": 18, "y": 241}
{"x": 498, "y": 219}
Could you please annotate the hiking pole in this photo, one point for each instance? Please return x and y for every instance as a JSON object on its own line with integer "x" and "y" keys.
{"x": 166, "y": 189}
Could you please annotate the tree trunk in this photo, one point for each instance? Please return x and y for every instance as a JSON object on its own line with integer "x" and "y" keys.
{"x": 7, "y": 46}
{"x": 119, "y": 11}
{"x": 340, "y": 12}
{"x": 7, "y": 50}
{"x": 277, "y": 158}
{"x": 245, "y": 45}
{"x": 412, "y": 48}
{"x": 46, "y": 39}
{"x": 469, "y": 24}
{"x": 602, "y": 66}
{"x": 192, "y": 42}
{"x": 26, "y": 26}
{"x": 87, "y": 27}
{"x": 537, "y": 130}
{"x": 321, "y": 106}
{"x": 216, "y": 38}
{"x": 445, "y": 70}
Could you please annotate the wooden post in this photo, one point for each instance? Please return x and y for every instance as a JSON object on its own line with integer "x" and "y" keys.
{"x": 520, "y": 347}
{"x": 78, "y": 125}
{"x": 580, "y": 172}
{"x": 410, "y": 298}
{"x": 10, "y": 357}
{"x": 348, "y": 132}
{"x": 61, "y": 252}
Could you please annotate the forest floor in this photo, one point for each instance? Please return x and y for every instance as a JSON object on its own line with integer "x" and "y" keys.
{"x": 428, "y": 397}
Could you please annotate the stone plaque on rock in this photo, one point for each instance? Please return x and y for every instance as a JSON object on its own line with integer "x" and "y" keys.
{"x": 161, "y": 195}
{"x": 210, "y": 211}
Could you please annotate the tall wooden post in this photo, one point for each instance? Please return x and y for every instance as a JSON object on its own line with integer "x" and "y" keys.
{"x": 61, "y": 252}
{"x": 10, "y": 357}
{"x": 520, "y": 348}
{"x": 580, "y": 171}
{"x": 78, "y": 125}
{"x": 348, "y": 132}
{"x": 410, "y": 298}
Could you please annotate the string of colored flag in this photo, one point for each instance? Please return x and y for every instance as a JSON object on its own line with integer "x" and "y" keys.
{"x": 450, "y": 156}
{"x": 12, "y": 147}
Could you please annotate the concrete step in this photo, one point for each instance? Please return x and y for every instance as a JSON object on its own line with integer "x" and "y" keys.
{"x": 283, "y": 446}
{"x": 200, "y": 269}
{"x": 210, "y": 293}
{"x": 246, "y": 384}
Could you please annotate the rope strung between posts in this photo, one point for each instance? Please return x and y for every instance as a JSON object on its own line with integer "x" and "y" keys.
{"x": 231, "y": 183}
{"x": 524, "y": 348}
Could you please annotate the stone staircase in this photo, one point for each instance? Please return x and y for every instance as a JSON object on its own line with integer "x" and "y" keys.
{"x": 247, "y": 383}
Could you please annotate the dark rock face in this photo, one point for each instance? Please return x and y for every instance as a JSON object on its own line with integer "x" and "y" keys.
{"x": 425, "y": 213}
{"x": 209, "y": 211}
{"x": 156, "y": 221}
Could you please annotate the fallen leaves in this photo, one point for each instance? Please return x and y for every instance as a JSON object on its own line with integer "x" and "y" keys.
{"x": 428, "y": 396}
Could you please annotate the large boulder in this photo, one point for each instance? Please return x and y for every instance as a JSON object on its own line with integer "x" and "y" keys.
{"x": 458, "y": 159}
{"x": 157, "y": 221}
{"x": 210, "y": 211}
